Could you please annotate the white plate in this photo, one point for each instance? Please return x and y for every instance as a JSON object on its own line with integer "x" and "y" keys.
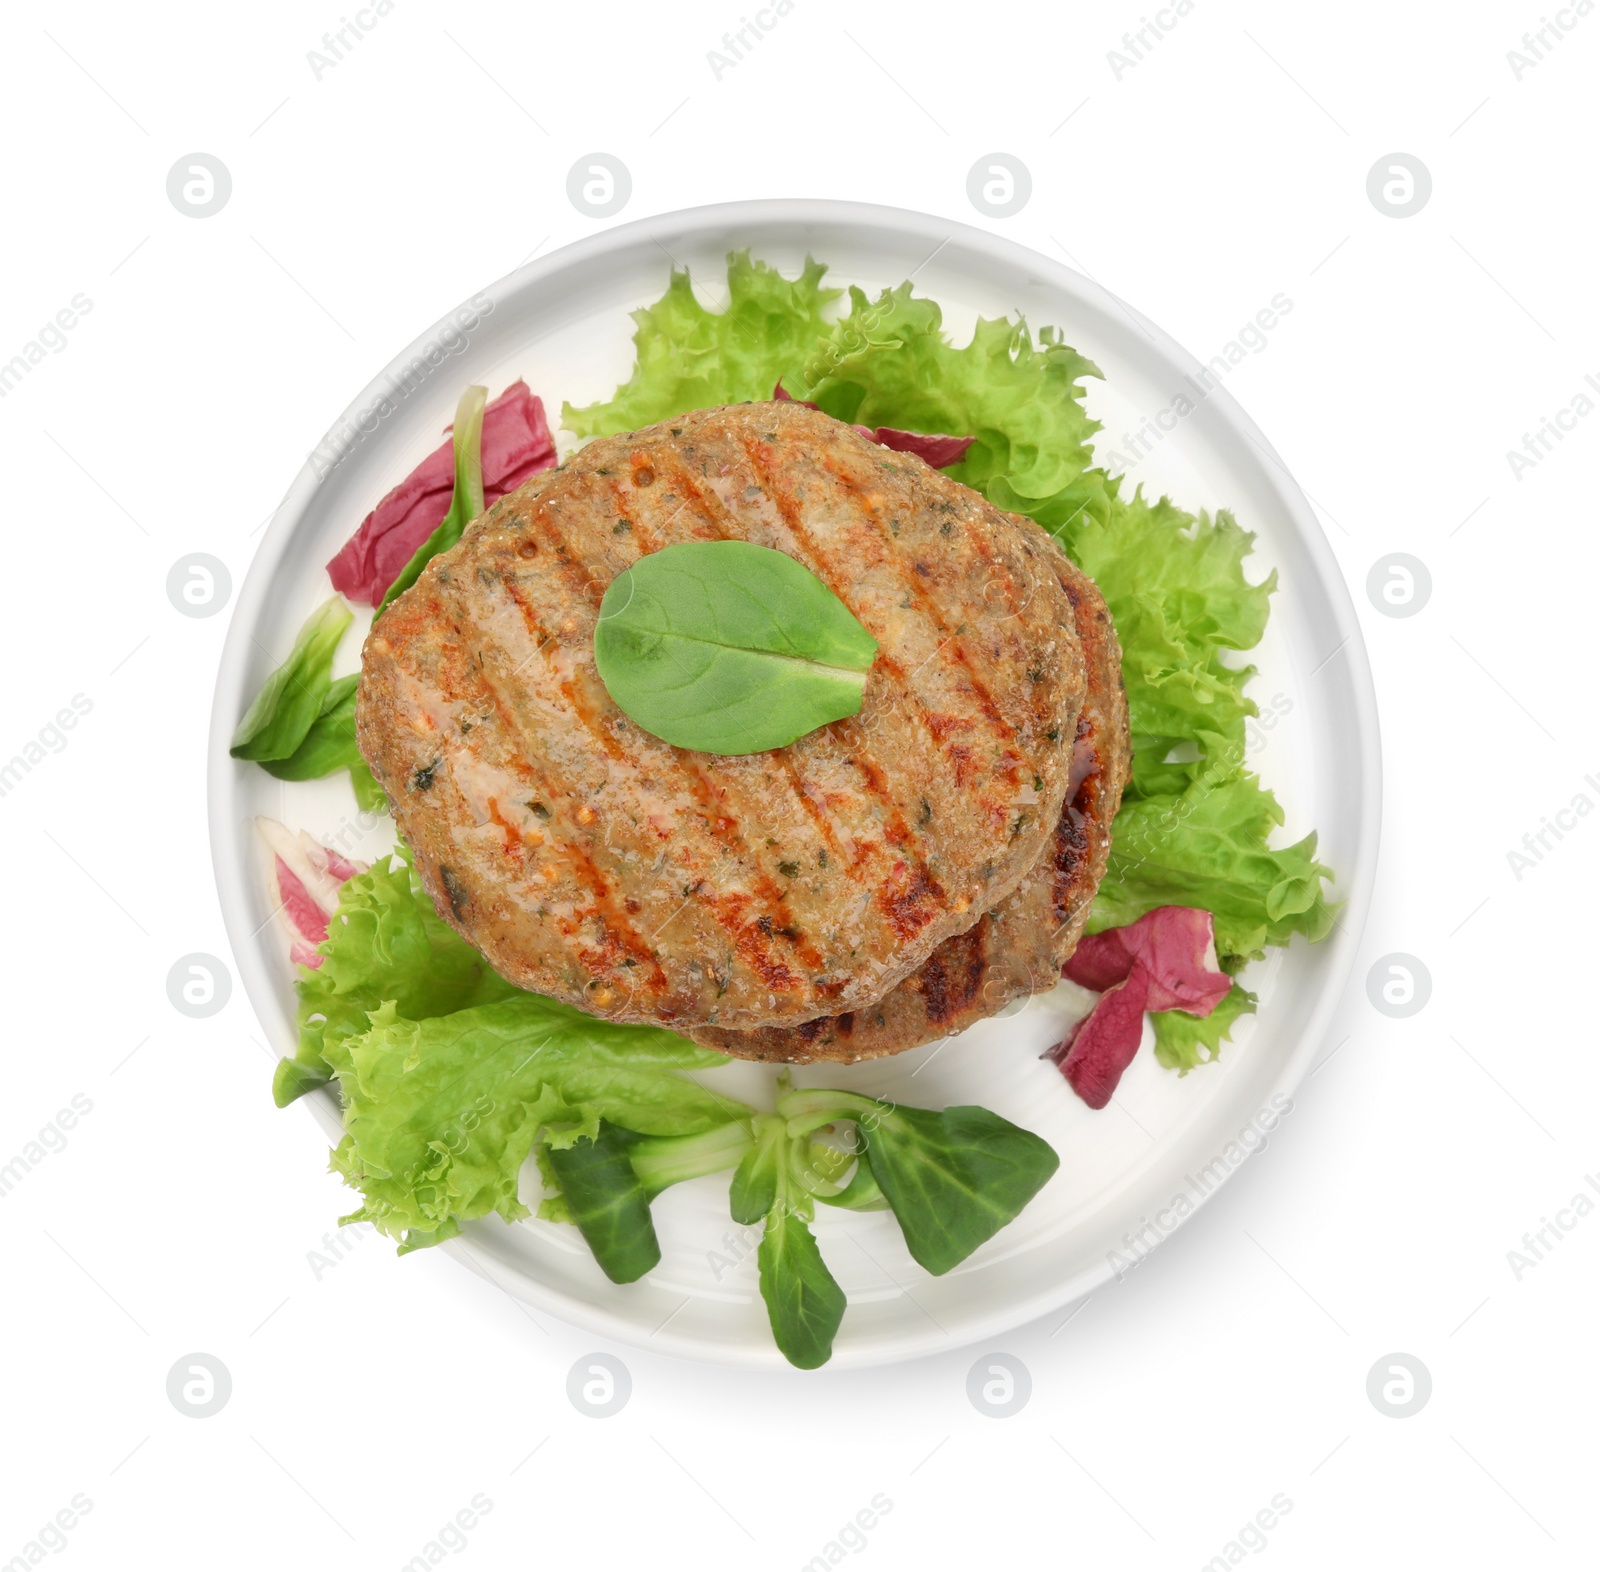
{"x": 1130, "y": 1173}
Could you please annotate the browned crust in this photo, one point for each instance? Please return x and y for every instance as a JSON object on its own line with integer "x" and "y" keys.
{"x": 1019, "y": 946}
{"x": 591, "y": 862}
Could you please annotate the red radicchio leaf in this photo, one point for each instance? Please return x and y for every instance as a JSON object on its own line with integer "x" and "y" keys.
{"x": 308, "y": 920}
{"x": 341, "y": 868}
{"x": 1167, "y": 960}
{"x": 516, "y": 444}
{"x": 937, "y": 451}
{"x": 1175, "y": 947}
{"x": 1101, "y": 1046}
{"x": 307, "y": 916}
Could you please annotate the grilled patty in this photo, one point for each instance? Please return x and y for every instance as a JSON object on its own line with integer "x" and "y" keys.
{"x": 1019, "y": 946}
{"x": 591, "y": 862}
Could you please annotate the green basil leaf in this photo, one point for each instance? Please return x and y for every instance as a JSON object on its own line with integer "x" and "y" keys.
{"x": 466, "y": 501}
{"x": 726, "y": 647}
{"x": 293, "y": 697}
{"x": 804, "y": 1303}
{"x": 608, "y": 1203}
{"x": 954, "y": 1179}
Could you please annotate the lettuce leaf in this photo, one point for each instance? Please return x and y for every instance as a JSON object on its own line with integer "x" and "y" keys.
{"x": 1195, "y": 825}
{"x": 1179, "y": 597}
{"x": 888, "y": 362}
{"x": 692, "y": 358}
{"x": 1184, "y": 1040}
{"x": 385, "y": 944}
{"x": 440, "y": 1114}
{"x": 1207, "y": 847}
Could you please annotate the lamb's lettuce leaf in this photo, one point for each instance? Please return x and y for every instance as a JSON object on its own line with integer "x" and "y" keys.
{"x": 295, "y": 693}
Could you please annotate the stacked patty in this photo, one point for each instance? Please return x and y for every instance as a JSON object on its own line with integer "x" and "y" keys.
{"x": 1019, "y": 945}
{"x": 742, "y": 898}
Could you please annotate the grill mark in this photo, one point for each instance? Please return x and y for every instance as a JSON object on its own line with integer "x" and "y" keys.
{"x": 1001, "y": 727}
{"x": 750, "y": 942}
{"x": 952, "y": 976}
{"x": 641, "y": 535}
{"x": 910, "y": 899}
{"x": 808, "y": 805}
{"x": 708, "y": 508}
{"x": 516, "y": 849}
{"x": 785, "y": 504}
{"x": 998, "y": 724}
{"x": 755, "y": 952}
{"x": 619, "y": 932}
{"x": 571, "y": 567}
{"x": 568, "y": 689}
{"x": 612, "y": 919}
{"x": 725, "y": 827}
{"x": 896, "y": 832}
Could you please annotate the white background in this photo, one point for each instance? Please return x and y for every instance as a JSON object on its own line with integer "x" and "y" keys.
{"x": 371, "y": 1403}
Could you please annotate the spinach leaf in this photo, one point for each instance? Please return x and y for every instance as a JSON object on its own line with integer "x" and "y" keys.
{"x": 608, "y": 1203}
{"x": 726, "y": 647}
{"x": 466, "y": 501}
{"x": 293, "y": 698}
{"x": 804, "y": 1303}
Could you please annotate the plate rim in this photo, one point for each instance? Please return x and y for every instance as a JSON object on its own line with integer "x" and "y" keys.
{"x": 231, "y": 860}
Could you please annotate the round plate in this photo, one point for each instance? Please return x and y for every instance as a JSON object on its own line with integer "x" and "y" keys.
{"x": 1130, "y": 1173}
